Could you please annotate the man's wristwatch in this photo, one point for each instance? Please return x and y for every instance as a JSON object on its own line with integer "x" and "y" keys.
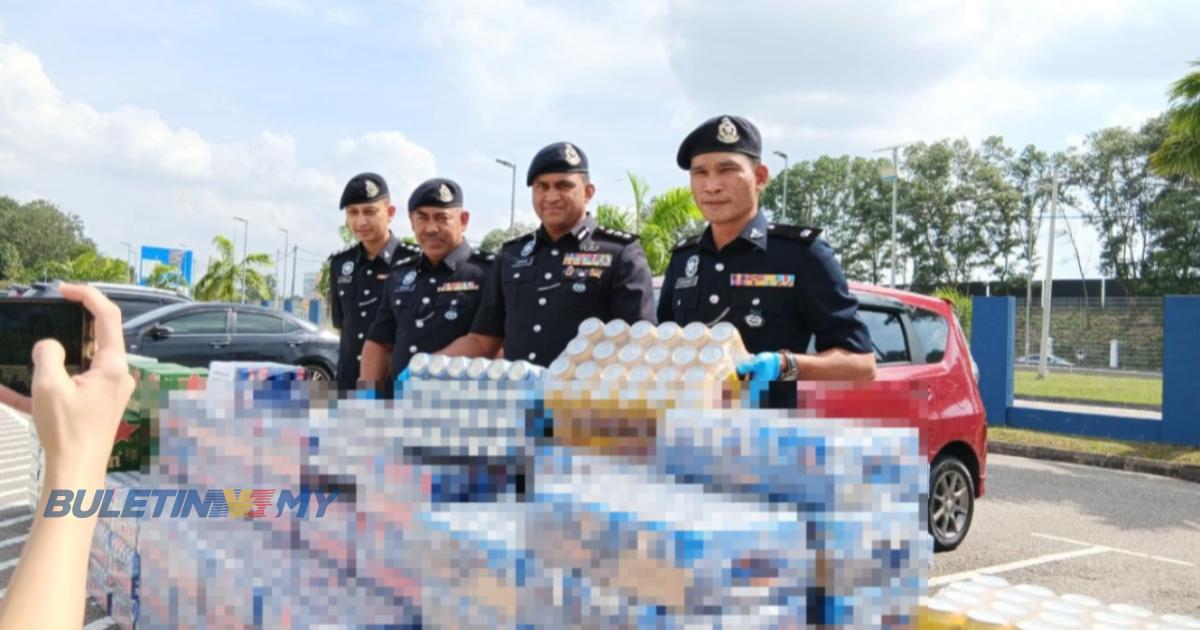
{"x": 789, "y": 367}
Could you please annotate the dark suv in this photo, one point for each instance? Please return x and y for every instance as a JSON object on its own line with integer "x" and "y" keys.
{"x": 132, "y": 299}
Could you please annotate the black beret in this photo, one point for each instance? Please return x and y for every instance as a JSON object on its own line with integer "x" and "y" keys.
{"x": 722, "y": 134}
{"x": 438, "y": 193}
{"x": 364, "y": 188}
{"x": 560, "y": 157}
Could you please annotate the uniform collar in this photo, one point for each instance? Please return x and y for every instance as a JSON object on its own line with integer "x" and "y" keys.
{"x": 387, "y": 253}
{"x": 755, "y": 233}
{"x": 579, "y": 232}
{"x": 456, "y": 257}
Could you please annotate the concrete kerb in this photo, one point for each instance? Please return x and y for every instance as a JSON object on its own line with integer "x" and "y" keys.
{"x": 1185, "y": 472}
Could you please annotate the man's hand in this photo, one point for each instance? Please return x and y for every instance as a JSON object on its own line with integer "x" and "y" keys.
{"x": 765, "y": 366}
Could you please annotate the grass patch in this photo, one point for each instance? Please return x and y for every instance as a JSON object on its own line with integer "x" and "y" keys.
{"x": 1090, "y": 387}
{"x": 1099, "y": 446}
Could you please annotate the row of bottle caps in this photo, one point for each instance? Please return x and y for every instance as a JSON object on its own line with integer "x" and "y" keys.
{"x": 642, "y": 352}
{"x": 440, "y": 366}
{"x": 989, "y": 601}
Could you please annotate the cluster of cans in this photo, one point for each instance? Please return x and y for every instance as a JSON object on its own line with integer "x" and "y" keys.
{"x": 114, "y": 565}
{"x": 989, "y": 601}
{"x": 439, "y": 366}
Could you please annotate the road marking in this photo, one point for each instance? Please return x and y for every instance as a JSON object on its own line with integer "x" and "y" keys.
{"x": 103, "y": 622}
{"x": 16, "y": 451}
{"x": 8, "y": 480}
{"x": 15, "y": 540}
{"x": 8, "y": 564}
{"x": 8, "y": 493}
{"x": 14, "y": 521}
{"x": 1020, "y": 564}
{"x": 15, "y": 439}
{"x": 14, "y": 469}
{"x": 1127, "y": 552}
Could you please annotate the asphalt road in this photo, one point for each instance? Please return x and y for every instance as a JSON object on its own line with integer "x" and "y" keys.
{"x": 1118, "y": 536}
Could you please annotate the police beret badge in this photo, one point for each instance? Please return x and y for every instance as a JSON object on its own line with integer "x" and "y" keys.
{"x": 444, "y": 195}
{"x": 571, "y": 155}
{"x": 727, "y": 132}
{"x": 371, "y": 189}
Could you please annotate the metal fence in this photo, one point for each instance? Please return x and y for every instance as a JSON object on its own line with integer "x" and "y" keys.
{"x": 1122, "y": 334}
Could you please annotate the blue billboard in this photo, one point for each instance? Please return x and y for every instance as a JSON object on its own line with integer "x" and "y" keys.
{"x": 180, "y": 259}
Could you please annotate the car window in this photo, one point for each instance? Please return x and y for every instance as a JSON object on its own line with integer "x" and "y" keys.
{"x": 289, "y": 326}
{"x": 258, "y": 324}
{"x": 932, "y": 330}
{"x": 132, "y": 307}
{"x": 202, "y": 323}
{"x": 887, "y": 335}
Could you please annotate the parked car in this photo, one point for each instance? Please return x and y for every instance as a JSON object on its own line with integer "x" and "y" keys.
{"x": 132, "y": 299}
{"x": 919, "y": 342}
{"x": 197, "y": 333}
{"x": 1051, "y": 361}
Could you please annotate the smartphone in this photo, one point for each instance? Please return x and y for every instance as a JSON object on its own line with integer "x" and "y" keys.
{"x": 25, "y": 321}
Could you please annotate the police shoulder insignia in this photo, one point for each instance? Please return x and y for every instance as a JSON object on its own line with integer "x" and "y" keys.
{"x": 405, "y": 261}
{"x": 342, "y": 251}
{"x": 483, "y": 258}
{"x": 688, "y": 242}
{"x": 616, "y": 235}
{"x": 794, "y": 232}
{"x": 514, "y": 241}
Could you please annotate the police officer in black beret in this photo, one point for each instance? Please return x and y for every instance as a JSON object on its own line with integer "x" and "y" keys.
{"x": 359, "y": 271}
{"x": 545, "y": 283}
{"x": 430, "y": 298}
{"x": 778, "y": 284}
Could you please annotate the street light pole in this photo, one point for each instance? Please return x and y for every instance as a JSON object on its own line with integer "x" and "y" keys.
{"x": 785, "y": 178}
{"x": 129, "y": 259}
{"x": 245, "y": 246}
{"x": 1048, "y": 283}
{"x": 512, "y": 203}
{"x": 283, "y": 281}
{"x": 895, "y": 149}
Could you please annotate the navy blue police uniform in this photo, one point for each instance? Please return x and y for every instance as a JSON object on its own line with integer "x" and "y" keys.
{"x": 540, "y": 290}
{"x": 357, "y": 282}
{"x": 426, "y": 305}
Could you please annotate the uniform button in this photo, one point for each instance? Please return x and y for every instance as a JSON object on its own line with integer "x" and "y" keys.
{"x": 366, "y": 292}
{"x": 363, "y": 314}
{"x": 397, "y": 302}
{"x": 358, "y": 358}
{"x": 360, "y": 335}
{"x": 420, "y": 324}
{"x": 453, "y": 302}
{"x": 720, "y": 266}
{"x": 412, "y": 349}
{"x": 548, "y": 275}
{"x": 516, "y": 275}
{"x": 755, "y": 301}
{"x": 541, "y": 301}
{"x": 424, "y": 300}
{"x": 341, "y": 293}
{"x": 554, "y": 252}
{"x": 714, "y": 298}
{"x": 532, "y": 356}
{"x": 432, "y": 280}
{"x": 537, "y": 328}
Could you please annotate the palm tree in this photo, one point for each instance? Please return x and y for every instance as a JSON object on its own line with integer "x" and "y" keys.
{"x": 1180, "y": 152}
{"x": 89, "y": 266}
{"x": 671, "y": 216}
{"x": 614, "y": 218}
{"x": 220, "y": 281}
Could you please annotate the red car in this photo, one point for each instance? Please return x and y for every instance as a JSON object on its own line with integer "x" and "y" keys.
{"x": 920, "y": 345}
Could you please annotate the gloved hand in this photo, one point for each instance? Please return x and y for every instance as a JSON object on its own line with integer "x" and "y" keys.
{"x": 403, "y": 376}
{"x": 765, "y": 366}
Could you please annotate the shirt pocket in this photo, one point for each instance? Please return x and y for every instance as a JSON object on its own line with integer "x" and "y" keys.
{"x": 517, "y": 287}
{"x": 457, "y": 305}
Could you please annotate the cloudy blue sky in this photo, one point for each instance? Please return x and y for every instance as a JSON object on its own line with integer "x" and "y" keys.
{"x": 158, "y": 121}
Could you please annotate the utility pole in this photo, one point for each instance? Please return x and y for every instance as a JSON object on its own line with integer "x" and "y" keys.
{"x": 1048, "y": 284}
{"x": 783, "y": 213}
{"x": 512, "y": 202}
{"x": 283, "y": 280}
{"x": 129, "y": 259}
{"x": 245, "y": 246}
{"x": 295, "y": 248}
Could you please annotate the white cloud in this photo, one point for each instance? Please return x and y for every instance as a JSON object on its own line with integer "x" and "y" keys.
{"x": 327, "y": 11}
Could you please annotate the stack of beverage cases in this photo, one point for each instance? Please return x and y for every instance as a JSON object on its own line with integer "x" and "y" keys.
{"x": 632, "y": 483}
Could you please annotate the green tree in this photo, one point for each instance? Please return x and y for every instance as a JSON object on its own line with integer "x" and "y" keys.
{"x": 1179, "y": 153}
{"x": 493, "y": 240}
{"x": 224, "y": 274}
{"x": 614, "y": 218}
{"x": 89, "y": 266}
{"x": 671, "y": 216}
{"x": 39, "y": 233}
{"x": 166, "y": 277}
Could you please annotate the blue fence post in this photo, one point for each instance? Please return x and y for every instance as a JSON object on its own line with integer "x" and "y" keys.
{"x": 1181, "y": 363}
{"x": 314, "y": 312}
{"x": 993, "y": 322}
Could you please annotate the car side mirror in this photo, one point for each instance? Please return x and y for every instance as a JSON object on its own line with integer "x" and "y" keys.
{"x": 158, "y": 331}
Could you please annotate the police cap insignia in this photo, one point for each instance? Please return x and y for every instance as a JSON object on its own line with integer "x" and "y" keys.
{"x": 722, "y": 134}
{"x": 364, "y": 188}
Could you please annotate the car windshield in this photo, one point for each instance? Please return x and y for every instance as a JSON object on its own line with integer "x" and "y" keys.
{"x": 149, "y": 317}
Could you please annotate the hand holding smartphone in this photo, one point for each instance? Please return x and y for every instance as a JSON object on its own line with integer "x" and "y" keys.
{"x": 25, "y": 321}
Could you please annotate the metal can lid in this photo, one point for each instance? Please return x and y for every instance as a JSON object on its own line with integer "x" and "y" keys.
{"x": 723, "y": 332}
{"x": 498, "y": 370}
{"x": 683, "y": 356}
{"x": 418, "y": 363}
{"x": 590, "y": 326}
{"x": 657, "y": 354}
{"x": 695, "y": 331}
{"x": 586, "y": 371}
{"x": 667, "y": 331}
{"x": 477, "y": 368}
{"x": 577, "y": 346}
{"x": 437, "y": 365}
{"x": 712, "y": 354}
{"x": 630, "y": 353}
{"x": 457, "y": 367}
{"x": 616, "y": 328}
{"x": 612, "y": 373}
{"x": 604, "y": 350}
{"x": 559, "y": 367}
{"x": 518, "y": 371}
{"x": 641, "y": 330}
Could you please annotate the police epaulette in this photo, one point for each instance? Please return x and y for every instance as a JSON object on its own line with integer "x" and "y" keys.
{"x": 485, "y": 258}
{"x": 616, "y": 235}
{"x": 518, "y": 239}
{"x": 794, "y": 232}
{"x": 411, "y": 248}
{"x": 688, "y": 242}
{"x": 342, "y": 251}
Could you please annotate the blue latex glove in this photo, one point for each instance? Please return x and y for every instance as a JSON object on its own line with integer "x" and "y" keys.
{"x": 765, "y": 366}
{"x": 403, "y": 376}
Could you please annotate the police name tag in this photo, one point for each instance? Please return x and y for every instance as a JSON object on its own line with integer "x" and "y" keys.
{"x": 578, "y": 259}
{"x": 458, "y": 286}
{"x": 686, "y": 283}
{"x": 345, "y": 279}
{"x": 762, "y": 280}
